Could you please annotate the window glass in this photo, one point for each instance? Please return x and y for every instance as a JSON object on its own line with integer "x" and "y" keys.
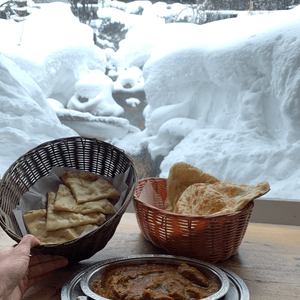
{"x": 212, "y": 83}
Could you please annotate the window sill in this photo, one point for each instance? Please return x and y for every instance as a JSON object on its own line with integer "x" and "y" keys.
{"x": 276, "y": 211}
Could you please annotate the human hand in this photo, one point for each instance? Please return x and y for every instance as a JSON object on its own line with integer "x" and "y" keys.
{"x": 19, "y": 270}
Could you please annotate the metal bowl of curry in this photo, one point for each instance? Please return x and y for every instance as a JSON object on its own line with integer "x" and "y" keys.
{"x": 159, "y": 277}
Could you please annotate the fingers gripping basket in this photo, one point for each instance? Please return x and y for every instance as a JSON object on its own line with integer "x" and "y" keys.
{"x": 207, "y": 238}
{"x": 86, "y": 154}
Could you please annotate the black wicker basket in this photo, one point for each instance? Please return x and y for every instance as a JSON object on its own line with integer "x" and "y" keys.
{"x": 86, "y": 154}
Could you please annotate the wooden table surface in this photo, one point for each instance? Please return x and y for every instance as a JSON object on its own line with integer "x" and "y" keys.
{"x": 268, "y": 260}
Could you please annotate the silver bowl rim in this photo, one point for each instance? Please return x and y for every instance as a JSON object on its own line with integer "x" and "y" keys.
{"x": 225, "y": 283}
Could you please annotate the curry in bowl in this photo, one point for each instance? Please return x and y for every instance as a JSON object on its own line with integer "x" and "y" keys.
{"x": 154, "y": 281}
{"x": 155, "y": 277}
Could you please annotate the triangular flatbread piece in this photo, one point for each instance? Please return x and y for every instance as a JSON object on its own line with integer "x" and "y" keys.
{"x": 65, "y": 201}
{"x": 62, "y": 219}
{"x": 87, "y": 186}
{"x": 35, "y": 221}
{"x": 64, "y": 235}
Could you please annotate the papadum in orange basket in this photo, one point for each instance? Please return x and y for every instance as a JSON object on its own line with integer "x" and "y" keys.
{"x": 209, "y": 238}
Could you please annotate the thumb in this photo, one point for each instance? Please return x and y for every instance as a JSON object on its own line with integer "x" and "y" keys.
{"x": 27, "y": 242}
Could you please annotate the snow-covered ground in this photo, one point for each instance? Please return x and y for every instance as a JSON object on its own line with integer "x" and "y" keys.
{"x": 224, "y": 96}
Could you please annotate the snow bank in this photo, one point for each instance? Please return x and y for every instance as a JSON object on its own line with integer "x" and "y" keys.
{"x": 242, "y": 91}
{"x": 55, "y": 54}
{"x": 26, "y": 118}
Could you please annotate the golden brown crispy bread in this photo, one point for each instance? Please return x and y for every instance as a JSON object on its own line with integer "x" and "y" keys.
{"x": 87, "y": 186}
{"x": 65, "y": 201}
{"x": 35, "y": 221}
{"x": 66, "y": 217}
{"x": 63, "y": 219}
{"x": 63, "y": 235}
{"x": 181, "y": 176}
{"x": 218, "y": 198}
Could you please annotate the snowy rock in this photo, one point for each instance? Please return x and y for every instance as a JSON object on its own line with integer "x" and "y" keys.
{"x": 133, "y": 102}
{"x": 169, "y": 135}
{"x": 93, "y": 93}
{"x": 130, "y": 80}
{"x": 92, "y": 83}
{"x": 156, "y": 118}
{"x": 86, "y": 124}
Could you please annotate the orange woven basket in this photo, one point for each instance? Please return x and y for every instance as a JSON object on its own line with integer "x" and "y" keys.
{"x": 209, "y": 238}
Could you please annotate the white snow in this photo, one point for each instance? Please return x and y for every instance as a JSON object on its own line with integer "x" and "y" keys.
{"x": 133, "y": 102}
{"x": 131, "y": 78}
{"x": 26, "y": 118}
{"x": 224, "y": 96}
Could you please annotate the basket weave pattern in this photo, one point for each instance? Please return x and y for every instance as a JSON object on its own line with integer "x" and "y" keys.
{"x": 86, "y": 154}
{"x": 209, "y": 238}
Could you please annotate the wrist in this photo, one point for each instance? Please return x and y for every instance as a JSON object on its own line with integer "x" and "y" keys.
{"x": 3, "y": 290}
